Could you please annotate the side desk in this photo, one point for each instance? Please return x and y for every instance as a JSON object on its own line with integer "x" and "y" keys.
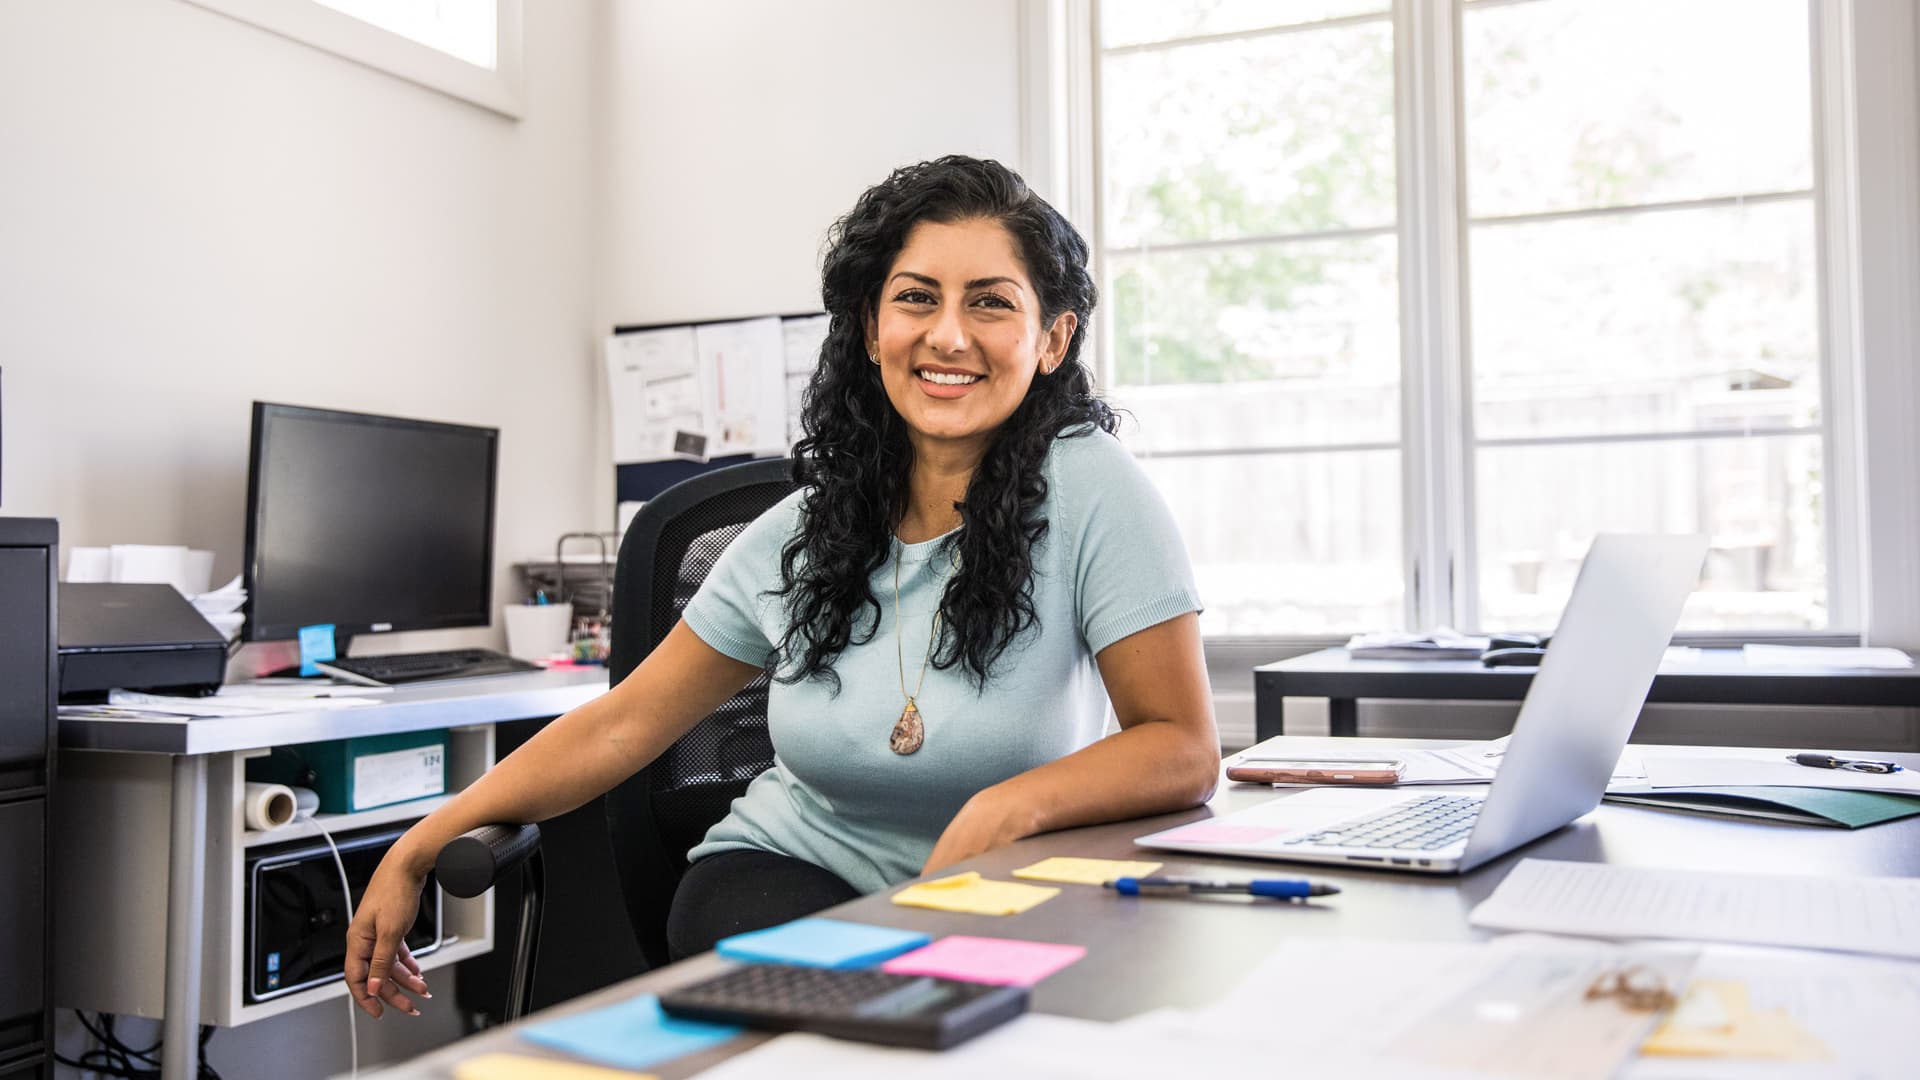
{"x": 1147, "y": 953}
{"x": 1719, "y": 677}
{"x": 146, "y": 798}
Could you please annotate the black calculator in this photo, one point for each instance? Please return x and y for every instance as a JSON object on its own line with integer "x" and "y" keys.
{"x": 870, "y": 1006}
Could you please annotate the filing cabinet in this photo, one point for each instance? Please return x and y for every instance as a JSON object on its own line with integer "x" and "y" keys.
{"x": 28, "y": 564}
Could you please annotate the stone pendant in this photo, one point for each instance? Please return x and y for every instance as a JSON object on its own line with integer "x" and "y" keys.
{"x": 909, "y": 733}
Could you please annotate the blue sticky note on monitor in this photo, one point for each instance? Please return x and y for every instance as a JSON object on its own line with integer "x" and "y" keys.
{"x": 631, "y": 1035}
{"x": 827, "y": 943}
{"x": 316, "y": 646}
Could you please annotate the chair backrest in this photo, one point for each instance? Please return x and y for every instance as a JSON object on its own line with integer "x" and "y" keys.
{"x": 660, "y": 813}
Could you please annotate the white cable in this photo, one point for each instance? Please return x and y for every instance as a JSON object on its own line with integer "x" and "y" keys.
{"x": 346, "y": 897}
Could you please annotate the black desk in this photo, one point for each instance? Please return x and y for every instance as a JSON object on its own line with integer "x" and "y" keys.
{"x": 1719, "y": 678}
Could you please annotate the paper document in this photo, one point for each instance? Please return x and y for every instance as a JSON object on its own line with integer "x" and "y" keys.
{"x": 1033, "y": 1047}
{"x": 1516, "y": 1007}
{"x": 654, "y": 394}
{"x": 1804, "y": 656}
{"x": 1769, "y": 770}
{"x": 1850, "y": 914}
{"x": 1444, "y": 643}
{"x": 801, "y": 340}
{"x": 743, "y": 369}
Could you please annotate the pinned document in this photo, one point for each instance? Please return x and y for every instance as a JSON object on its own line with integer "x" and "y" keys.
{"x": 1085, "y": 871}
{"x": 974, "y": 895}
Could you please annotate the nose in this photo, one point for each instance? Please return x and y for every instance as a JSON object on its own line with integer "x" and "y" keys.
{"x": 948, "y": 334}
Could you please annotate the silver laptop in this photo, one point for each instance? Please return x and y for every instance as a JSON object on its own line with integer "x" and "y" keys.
{"x": 1572, "y": 727}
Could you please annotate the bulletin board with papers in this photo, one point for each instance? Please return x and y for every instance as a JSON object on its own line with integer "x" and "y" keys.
{"x": 685, "y": 398}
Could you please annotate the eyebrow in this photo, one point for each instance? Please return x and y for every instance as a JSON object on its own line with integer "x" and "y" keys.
{"x": 976, "y": 283}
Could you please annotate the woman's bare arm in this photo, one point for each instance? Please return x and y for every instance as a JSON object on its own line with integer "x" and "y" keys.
{"x": 571, "y": 761}
{"x": 1166, "y": 755}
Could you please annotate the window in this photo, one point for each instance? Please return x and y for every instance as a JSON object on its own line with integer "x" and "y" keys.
{"x": 463, "y": 29}
{"x": 1409, "y": 300}
{"x": 469, "y": 49}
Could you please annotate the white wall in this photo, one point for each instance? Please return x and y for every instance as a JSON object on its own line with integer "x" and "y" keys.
{"x": 195, "y": 213}
{"x": 198, "y": 213}
{"x": 740, "y": 130}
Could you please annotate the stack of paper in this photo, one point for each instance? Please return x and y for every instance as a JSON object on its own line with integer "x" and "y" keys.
{"x": 1444, "y": 643}
{"x": 221, "y": 607}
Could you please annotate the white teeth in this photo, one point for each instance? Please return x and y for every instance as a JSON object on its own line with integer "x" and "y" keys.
{"x": 948, "y": 380}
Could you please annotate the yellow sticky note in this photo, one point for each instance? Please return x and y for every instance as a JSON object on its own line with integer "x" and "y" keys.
{"x": 975, "y": 895}
{"x": 1085, "y": 871}
{"x": 1712, "y": 1020}
{"x": 526, "y": 1067}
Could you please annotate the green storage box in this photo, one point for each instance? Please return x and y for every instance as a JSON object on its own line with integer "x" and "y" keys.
{"x": 361, "y": 773}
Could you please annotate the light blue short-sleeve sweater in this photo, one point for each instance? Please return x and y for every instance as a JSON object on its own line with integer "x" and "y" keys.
{"x": 1111, "y": 564}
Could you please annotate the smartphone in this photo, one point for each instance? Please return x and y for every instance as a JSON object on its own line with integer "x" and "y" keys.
{"x": 1315, "y": 771}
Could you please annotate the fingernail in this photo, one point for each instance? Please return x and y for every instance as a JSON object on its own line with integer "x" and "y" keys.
{"x": 373, "y": 986}
{"x": 415, "y": 1012}
{"x": 426, "y": 995}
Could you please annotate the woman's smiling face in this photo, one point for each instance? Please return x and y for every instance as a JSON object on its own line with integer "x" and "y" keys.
{"x": 958, "y": 335}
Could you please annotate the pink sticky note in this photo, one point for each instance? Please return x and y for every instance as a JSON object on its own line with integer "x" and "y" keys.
{"x": 1207, "y": 832}
{"x": 986, "y": 960}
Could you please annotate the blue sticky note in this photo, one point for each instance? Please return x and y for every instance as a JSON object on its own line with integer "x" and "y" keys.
{"x": 827, "y": 943}
{"x": 631, "y": 1035}
{"x": 316, "y": 645}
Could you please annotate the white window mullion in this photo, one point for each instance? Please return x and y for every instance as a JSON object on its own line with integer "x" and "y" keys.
{"x": 1435, "y": 409}
{"x": 1869, "y": 129}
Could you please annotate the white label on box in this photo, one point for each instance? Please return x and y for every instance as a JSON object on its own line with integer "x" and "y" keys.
{"x": 399, "y": 775}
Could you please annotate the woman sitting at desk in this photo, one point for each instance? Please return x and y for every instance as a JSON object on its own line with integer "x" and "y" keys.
{"x": 969, "y": 547}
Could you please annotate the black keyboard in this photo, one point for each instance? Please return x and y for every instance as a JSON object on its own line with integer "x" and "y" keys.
{"x": 1425, "y": 824}
{"x": 869, "y": 1006}
{"x": 414, "y": 667}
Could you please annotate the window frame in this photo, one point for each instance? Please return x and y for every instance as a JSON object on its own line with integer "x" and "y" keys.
{"x": 499, "y": 89}
{"x": 1864, "y": 154}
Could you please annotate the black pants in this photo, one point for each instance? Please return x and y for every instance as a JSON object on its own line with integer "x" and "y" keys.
{"x": 737, "y": 891}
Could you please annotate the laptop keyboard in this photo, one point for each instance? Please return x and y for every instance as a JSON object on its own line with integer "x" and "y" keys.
{"x": 1425, "y": 824}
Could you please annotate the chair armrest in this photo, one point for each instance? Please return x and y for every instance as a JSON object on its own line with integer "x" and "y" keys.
{"x": 473, "y": 862}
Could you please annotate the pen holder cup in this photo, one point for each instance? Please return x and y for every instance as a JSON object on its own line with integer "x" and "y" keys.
{"x": 538, "y": 631}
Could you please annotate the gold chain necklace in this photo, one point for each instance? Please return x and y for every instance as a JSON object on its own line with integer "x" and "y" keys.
{"x": 908, "y": 733}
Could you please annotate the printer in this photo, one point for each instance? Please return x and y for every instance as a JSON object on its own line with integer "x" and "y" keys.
{"x": 116, "y": 636}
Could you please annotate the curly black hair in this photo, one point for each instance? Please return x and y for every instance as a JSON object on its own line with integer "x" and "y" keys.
{"x": 854, "y": 460}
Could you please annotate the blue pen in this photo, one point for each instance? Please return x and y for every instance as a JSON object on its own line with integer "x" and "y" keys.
{"x": 1278, "y": 888}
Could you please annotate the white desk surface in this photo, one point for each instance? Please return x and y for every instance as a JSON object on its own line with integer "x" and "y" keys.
{"x": 424, "y": 706}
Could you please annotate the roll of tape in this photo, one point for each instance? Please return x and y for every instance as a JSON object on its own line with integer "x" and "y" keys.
{"x": 306, "y": 802}
{"x": 269, "y": 806}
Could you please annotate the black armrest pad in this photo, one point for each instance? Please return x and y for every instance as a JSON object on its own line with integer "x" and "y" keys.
{"x": 472, "y": 862}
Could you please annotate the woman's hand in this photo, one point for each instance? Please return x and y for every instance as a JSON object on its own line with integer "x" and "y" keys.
{"x": 379, "y": 966}
{"x": 988, "y": 820}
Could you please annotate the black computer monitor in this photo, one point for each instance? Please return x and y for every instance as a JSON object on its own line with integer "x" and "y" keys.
{"x": 368, "y": 523}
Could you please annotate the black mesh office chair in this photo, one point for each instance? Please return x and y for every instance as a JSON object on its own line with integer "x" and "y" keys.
{"x": 662, "y": 811}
